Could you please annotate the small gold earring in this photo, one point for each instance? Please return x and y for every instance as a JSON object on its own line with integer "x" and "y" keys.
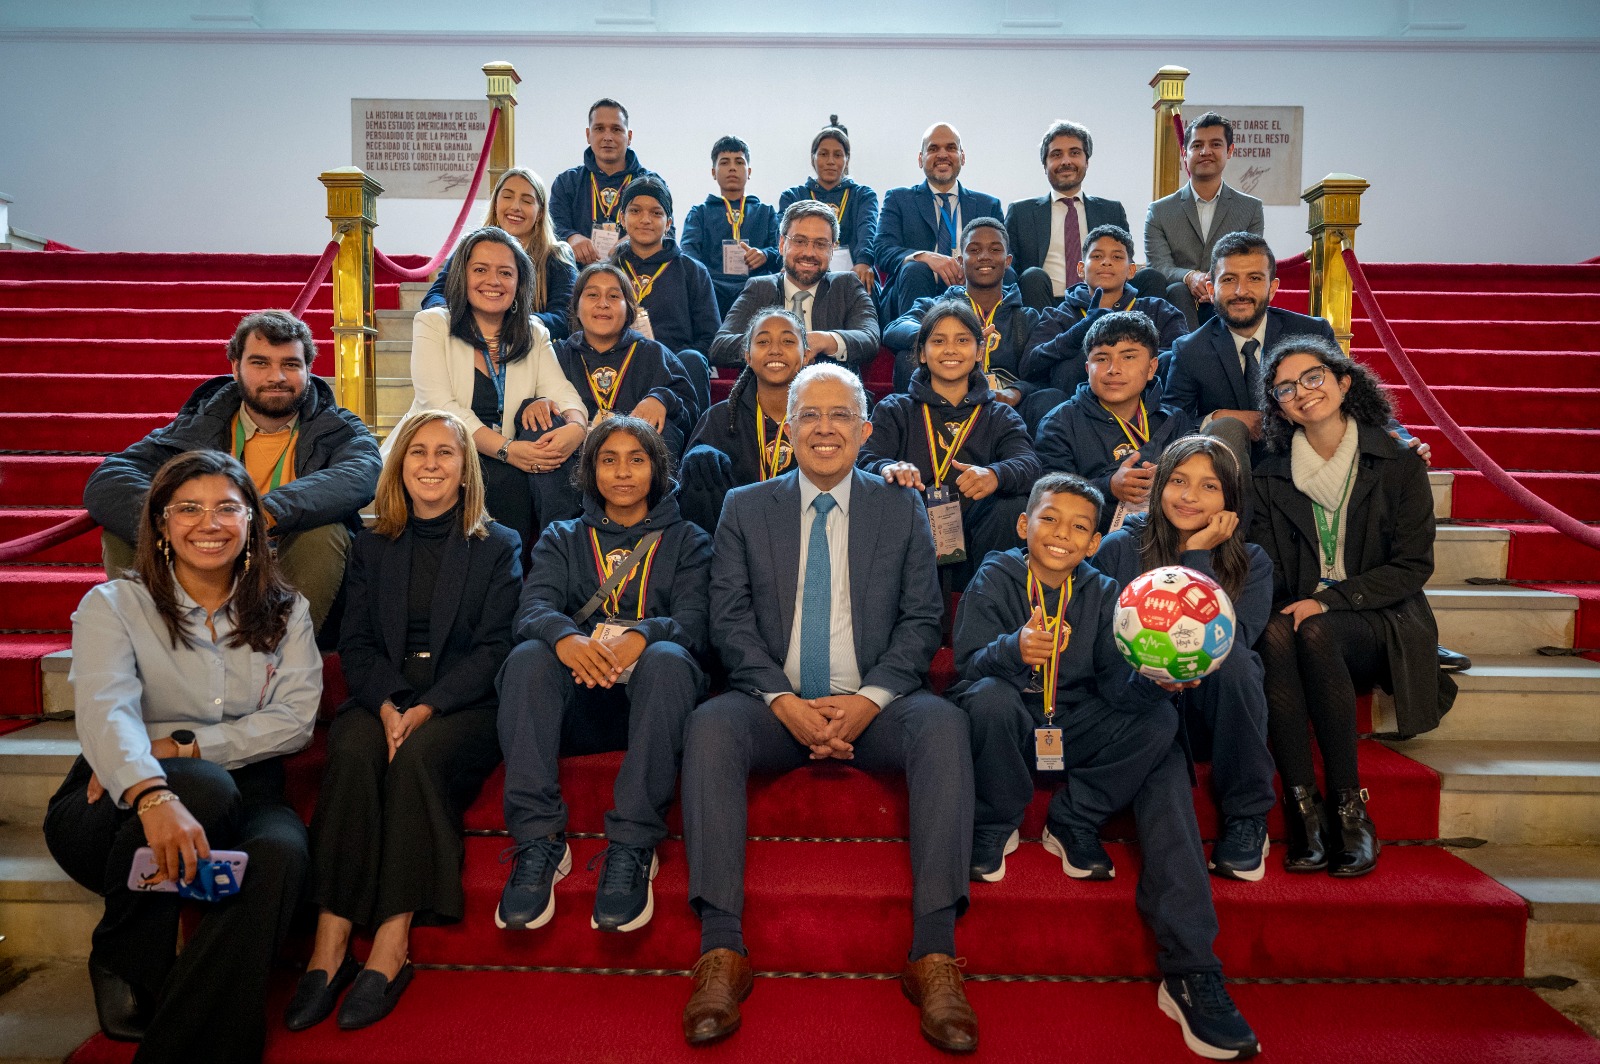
{"x": 166, "y": 550}
{"x": 247, "y": 556}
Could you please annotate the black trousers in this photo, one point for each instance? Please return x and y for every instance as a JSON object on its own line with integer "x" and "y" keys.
{"x": 386, "y": 836}
{"x": 1114, "y": 760}
{"x": 209, "y": 999}
{"x": 736, "y": 734}
{"x": 1312, "y": 678}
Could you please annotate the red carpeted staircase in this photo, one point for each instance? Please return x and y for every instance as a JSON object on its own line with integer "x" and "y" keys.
{"x": 1400, "y": 965}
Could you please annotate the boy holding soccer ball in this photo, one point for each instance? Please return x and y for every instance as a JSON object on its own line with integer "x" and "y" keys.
{"x": 1046, "y": 689}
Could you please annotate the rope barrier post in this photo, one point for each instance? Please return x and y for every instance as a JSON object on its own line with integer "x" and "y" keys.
{"x": 1335, "y": 204}
{"x": 1168, "y": 86}
{"x": 353, "y": 210}
{"x": 502, "y": 94}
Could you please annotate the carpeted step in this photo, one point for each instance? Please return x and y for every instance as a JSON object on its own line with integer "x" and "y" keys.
{"x": 1422, "y": 912}
{"x": 19, "y": 670}
{"x": 76, "y": 432}
{"x": 188, "y": 295}
{"x": 47, "y": 481}
{"x": 137, "y": 324}
{"x": 1556, "y": 408}
{"x": 1536, "y": 449}
{"x": 43, "y": 597}
{"x": 1515, "y": 278}
{"x": 834, "y": 800}
{"x": 146, "y": 267}
{"x": 143, "y": 356}
{"x": 473, "y": 1017}
{"x": 15, "y": 523}
{"x": 28, "y": 393}
{"x": 1475, "y": 499}
{"x": 1508, "y": 335}
{"x": 1539, "y": 552}
{"x": 1479, "y": 306}
{"x": 1458, "y": 366}
{"x": 1587, "y": 634}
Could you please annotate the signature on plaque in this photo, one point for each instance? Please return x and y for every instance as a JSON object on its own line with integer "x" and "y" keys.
{"x": 1253, "y": 177}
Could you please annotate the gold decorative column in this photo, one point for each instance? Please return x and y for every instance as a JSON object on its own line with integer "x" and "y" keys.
{"x": 1335, "y": 204}
{"x": 502, "y": 93}
{"x": 1168, "y": 86}
{"x": 353, "y": 210}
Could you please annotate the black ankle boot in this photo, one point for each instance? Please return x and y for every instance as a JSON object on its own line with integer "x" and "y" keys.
{"x": 1308, "y": 847}
{"x": 1355, "y": 837}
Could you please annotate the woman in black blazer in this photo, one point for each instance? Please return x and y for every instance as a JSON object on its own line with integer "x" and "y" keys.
{"x": 1346, "y": 514}
{"x": 432, "y": 589}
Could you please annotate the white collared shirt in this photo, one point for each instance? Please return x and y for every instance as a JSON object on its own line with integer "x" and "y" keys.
{"x": 1206, "y": 209}
{"x": 789, "y": 290}
{"x": 1259, "y": 336}
{"x": 1055, "y": 263}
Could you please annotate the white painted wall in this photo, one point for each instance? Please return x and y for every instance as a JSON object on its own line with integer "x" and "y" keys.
{"x": 150, "y": 143}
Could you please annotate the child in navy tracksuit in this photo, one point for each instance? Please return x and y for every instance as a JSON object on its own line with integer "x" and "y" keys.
{"x": 674, "y": 291}
{"x": 1041, "y": 676}
{"x": 1055, "y": 349}
{"x": 1114, "y": 428}
{"x": 732, "y": 217}
{"x": 1194, "y": 521}
{"x": 854, "y": 204}
{"x": 745, "y": 438}
{"x": 565, "y": 688}
{"x": 951, "y": 435}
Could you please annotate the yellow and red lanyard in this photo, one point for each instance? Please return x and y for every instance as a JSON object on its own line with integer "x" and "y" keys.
{"x": 642, "y": 286}
{"x": 838, "y": 208}
{"x": 594, "y": 199}
{"x": 735, "y": 220}
{"x": 770, "y": 467}
{"x": 989, "y": 342}
{"x": 942, "y": 468}
{"x": 1060, "y": 633}
{"x": 603, "y": 567}
{"x": 605, "y": 403}
{"x": 1138, "y": 432}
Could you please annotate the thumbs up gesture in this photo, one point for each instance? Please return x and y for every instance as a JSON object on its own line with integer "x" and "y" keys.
{"x": 1034, "y": 641}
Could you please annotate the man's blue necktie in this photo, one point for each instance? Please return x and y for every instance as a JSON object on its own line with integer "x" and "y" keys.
{"x": 947, "y": 223}
{"x": 816, "y": 606}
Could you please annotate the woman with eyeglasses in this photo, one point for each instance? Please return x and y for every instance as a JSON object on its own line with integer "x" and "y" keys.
{"x": 192, "y": 681}
{"x": 1346, "y": 514}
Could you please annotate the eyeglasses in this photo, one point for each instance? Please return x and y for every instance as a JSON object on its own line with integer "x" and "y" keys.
{"x": 192, "y": 513}
{"x": 800, "y": 243}
{"x": 810, "y": 417}
{"x": 1310, "y": 380}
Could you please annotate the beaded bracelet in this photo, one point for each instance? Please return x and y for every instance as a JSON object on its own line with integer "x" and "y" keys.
{"x": 160, "y": 799}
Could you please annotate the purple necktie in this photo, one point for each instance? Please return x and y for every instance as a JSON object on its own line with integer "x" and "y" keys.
{"x": 1071, "y": 241}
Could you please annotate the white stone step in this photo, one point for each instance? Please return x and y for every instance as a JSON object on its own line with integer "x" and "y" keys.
{"x": 394, "y": 358}
{"x": 49, "y": 1015}
{"x": 1562, "y": 887}
{"x": 33, "y": 762}
{"x": 1462, "y": 552}
{"x": 394, "y": 324}
{"x": 1498, "y": 619}
{"x": 411, "y": 293}
{"x": 47, "y": 915}
{"x": 57, "y": 691}
{"x": 1442, "y": 485}
{"x": 1531, "y": 793}
{"x": 1515, "y": 698}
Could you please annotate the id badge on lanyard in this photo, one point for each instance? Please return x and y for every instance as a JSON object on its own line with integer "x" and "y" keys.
{"x": 614, "y": 628}
{"x": 944, "y": 515}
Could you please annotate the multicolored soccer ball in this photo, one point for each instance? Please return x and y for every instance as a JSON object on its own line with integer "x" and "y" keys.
{"x": 1174, "y": 624}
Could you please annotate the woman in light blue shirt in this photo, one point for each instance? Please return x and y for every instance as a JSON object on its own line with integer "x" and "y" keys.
{"x": 191, "y": 682}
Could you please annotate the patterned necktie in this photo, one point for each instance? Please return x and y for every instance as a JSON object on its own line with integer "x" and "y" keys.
{"x": 1071, "y": 240}
{"x": 1252, "y": 365}
{"x": 947, "y": 222}
{"x": 816, "y": 606}
{"x": 797, "y": 307}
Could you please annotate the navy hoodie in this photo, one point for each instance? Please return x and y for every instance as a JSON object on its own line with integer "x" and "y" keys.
{"x": 1055, "y": 348}
{"x": 730, "y": 427}
{"x": 998, "y": 440}
{"x": 1081, "y": 436}
{"x": 707, "y": 226}
{"x": 654, "y": 372}
{"x": 562, "y": 577}
{"x": 858, "y": 226}
{"x": 1015, "y": 321}
{"x": 994, "y": 609}
{"x": 681, "y": 303}
{"x": 572, "y": 196}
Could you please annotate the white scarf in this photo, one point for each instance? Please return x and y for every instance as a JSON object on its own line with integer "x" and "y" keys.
{"x": 1325, "y": 482}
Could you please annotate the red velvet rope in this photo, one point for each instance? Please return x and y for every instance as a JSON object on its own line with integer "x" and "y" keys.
{"x": 422, "y": 272}
{"x": 45, "y": 538}
{"x": 1563, "y": 522}
{"x": 1183, "y": 160}
{"x": 314, "y": 282}
{"x": 1295, "y": 260}
{"x": 1591, "y": 262}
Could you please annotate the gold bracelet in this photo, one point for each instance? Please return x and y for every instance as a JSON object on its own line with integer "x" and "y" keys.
{"x": 161, "y": 798}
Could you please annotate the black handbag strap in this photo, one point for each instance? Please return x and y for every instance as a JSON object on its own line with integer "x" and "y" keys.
{"x": 618, "y": 575}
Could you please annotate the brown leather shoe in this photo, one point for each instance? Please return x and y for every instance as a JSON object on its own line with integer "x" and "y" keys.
{"x": 933, "y": 984}
{"x": 721, "y": 980}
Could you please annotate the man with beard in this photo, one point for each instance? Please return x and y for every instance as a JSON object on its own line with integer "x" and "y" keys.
{"x": 1050, "y": 235}
{"x": 841, "y": 325}
{"x": 314, "y": 462}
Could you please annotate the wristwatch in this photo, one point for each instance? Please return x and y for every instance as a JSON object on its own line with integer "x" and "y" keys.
{"x": 187, "y": 747}
{"x": 505, "y": 449}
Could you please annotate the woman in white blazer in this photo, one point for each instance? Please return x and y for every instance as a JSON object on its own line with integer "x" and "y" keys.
{"x": 484, "y": 358}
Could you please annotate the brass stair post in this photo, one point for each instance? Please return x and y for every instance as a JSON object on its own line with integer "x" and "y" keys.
{"x": 1335, "y": 214}
{"x": 1168, "y": 86}
{"x": 352, "y": 209}
{"x": 502, "y": 93}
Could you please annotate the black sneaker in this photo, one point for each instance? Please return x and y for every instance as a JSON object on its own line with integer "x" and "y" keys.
{"x": 624, "y": 900}
{"x": 989, "y": 849}
{"x": 1212, "y": 1026}
{"x": 1241, "y": 853}
{"x": 1082, "y": 856}
{"x": 529, "y": 898}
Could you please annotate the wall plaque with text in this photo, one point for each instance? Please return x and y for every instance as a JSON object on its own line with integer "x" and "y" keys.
{"x": 419, "y": 149}
{"x": 1266, "y": 149}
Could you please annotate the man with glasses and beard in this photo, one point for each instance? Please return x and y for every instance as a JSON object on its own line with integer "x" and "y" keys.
{"x": 841, "y": 324}
{"x": 313, "y": 461}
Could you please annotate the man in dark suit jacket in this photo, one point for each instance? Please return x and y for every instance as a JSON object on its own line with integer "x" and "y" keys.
{"x": 822, "y": 666}
{"x": 1181, "y": 230}
{"x": 919, "y": 226}
{"x": 841, "y": 323}
{"x": 1045, "y": 248}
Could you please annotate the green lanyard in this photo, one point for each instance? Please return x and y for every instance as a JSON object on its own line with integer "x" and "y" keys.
{"x": 1328, "y": 523}
{"x": 277, "y": 470}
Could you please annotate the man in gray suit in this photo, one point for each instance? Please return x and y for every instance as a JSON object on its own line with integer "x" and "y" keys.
{"x": 821, "y": 667}
{"x": 841, "y": 324}
{"x": 1181, "y": 229}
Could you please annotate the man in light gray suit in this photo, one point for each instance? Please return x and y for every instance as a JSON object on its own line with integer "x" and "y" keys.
{"x": 1181, "y": 229}
{"x": 841, "y": 323}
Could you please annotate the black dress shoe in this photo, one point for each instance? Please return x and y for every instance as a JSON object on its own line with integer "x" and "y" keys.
{"x": 1355, "y": 837}
{"x": 316, "y": 995}
{"x": 372, "y": 998}
{"x": 1453, "y": 661}
{"x": 1307, "y": 850}
{"x": 122, "y": 1016}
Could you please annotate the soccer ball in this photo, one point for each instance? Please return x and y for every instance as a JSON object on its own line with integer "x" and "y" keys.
{"x": 1174, "y": 624}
